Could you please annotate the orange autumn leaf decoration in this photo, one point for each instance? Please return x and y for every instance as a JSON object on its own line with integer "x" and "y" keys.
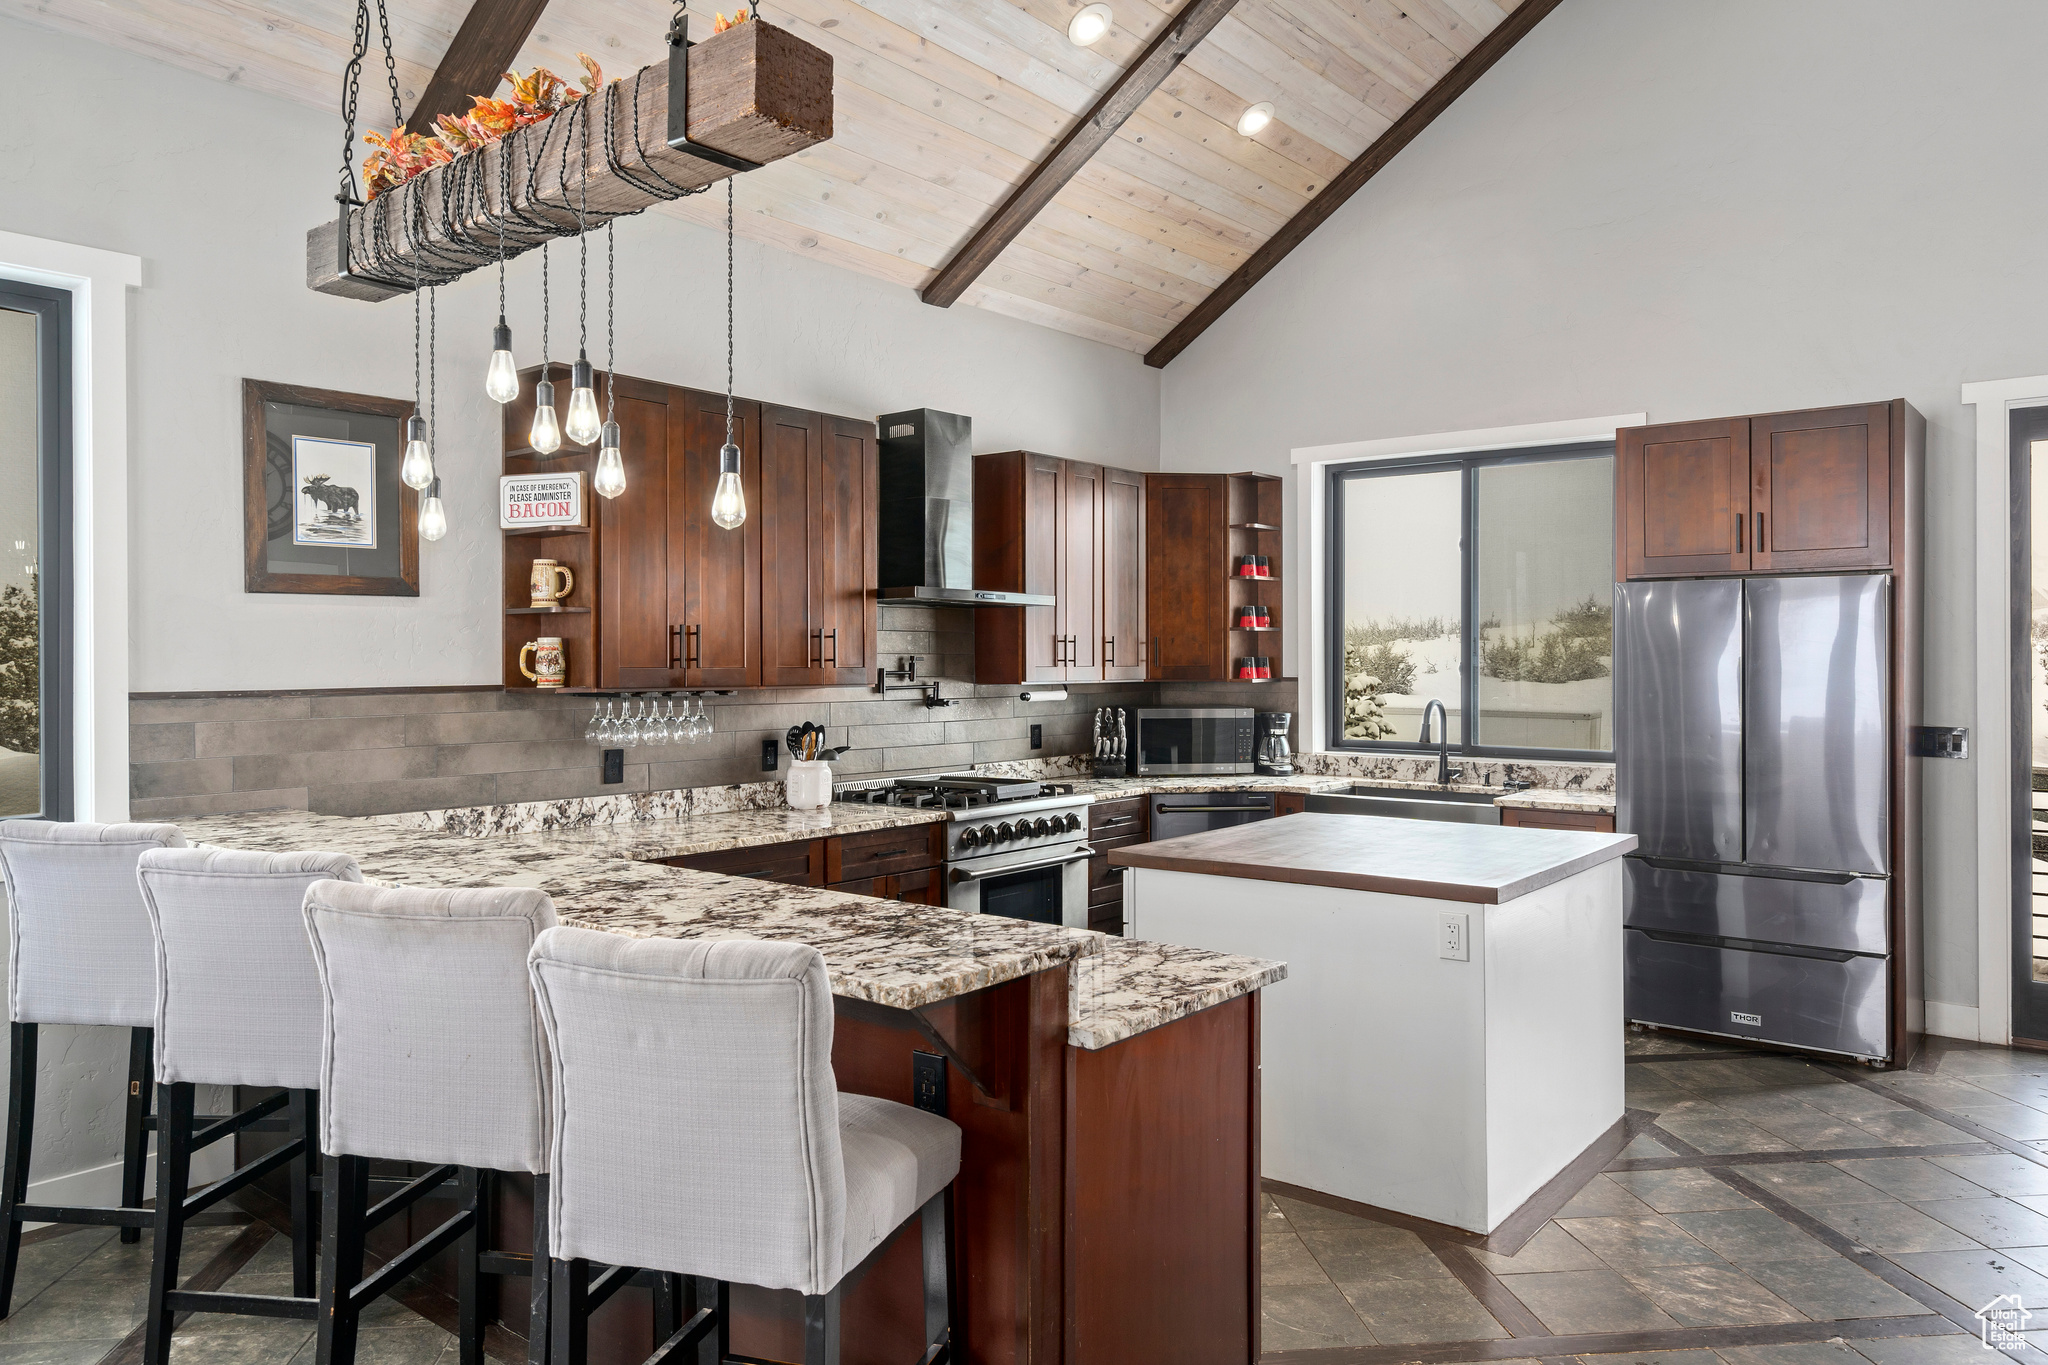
{"x": 540, "y": 94}
{"x": 721, "y": 23}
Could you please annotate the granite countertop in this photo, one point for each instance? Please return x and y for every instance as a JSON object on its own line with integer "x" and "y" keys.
{"x": 887, "y": 952}
{"x": 720, "y": 830}
{"x": 1132, "y": 986}
{"x": 1549, "y": 798}
{"x": 1487, "y": 864}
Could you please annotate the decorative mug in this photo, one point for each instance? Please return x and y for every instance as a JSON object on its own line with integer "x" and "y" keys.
{"x": 548, "y": 659}
{"x": 541, "y": 582}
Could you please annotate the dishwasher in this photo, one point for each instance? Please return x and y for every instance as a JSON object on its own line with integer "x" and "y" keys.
{"x": 1178, "y": 813}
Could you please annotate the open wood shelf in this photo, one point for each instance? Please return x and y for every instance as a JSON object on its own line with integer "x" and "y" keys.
{"x": 548, "y": 531}
{"x": 1252, "y": 526}
{"x": 547, "y": 611}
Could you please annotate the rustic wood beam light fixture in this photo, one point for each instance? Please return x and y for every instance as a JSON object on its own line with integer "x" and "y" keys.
{"x": 1351, "y": 179}
{"x": 1083, "y": 141}
{"x": 756, "y": 94}
{"x": 484, "y": 47}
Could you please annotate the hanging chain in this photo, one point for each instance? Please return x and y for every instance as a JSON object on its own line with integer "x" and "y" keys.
{"x": 582, "y": 233}
{"x": 611, "y": 372}
{"x": 728, "y": 310}
{"x": 415, "y": 346}
{"x": 390, "y": 67}
{"x": 433, "y": 383}
{"x": 546, "y": 370}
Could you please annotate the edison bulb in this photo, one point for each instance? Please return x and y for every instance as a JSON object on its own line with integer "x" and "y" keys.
{"x": 546, "y": 436}
{"x": 584, "y": 423}
{"x": 433, "y": 521}
{"x": 501, "y": 380}
{"x": 417, "y": 469}
{"x": 610, "y": 478}
{"x": 729, "y": 500}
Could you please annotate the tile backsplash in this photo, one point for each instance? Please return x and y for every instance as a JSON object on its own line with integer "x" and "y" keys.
{"x": 355, "y": 753}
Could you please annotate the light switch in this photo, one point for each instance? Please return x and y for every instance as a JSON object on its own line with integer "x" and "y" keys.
{"x": 1453, "y": 935}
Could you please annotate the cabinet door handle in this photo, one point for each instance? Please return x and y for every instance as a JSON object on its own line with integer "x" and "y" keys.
{"x": 675, "y": 646}
{"x": 833, "y": 662}
{"x": 1738, "y": 533}
{"x": 695, "y": 657}
{"x": 1758, "y": 539}
{"x": 814, "y": 649}
{"x": 1109, "y": 651}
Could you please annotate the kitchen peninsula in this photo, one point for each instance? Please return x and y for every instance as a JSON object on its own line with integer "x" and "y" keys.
{"x": 1083, "y": 1238}
{"x": 1447, "y": 1043}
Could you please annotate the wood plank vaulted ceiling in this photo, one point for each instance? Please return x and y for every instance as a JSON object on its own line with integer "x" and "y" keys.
{"x": 942, "y": 108}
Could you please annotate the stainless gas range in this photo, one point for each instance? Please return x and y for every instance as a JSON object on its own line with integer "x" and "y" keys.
{"x": 1013, "y": 847}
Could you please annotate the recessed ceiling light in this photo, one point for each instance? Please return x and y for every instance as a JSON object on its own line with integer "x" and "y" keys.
{"x": 1253, "y": 121}
{"x": 1088, "y": 25}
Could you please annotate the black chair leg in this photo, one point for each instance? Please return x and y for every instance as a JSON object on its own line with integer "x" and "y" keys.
{"x": 821, "y": 1328}
{"x": 173, "y": 1175}
{"x": 344, "y": 1200}
{"x": 469, "y": 1316}
{"x": 569, "y": 1313}
{"x": 539, "y": 1339}
{"x": 134, "y": 1136}
{"x": 936, "y": 1231}
{"x": 717, "y": 1296}
{"x": 668, "y": 1306}
{"x": 304, "y": 1111}
{"x": 21, "y": 1126}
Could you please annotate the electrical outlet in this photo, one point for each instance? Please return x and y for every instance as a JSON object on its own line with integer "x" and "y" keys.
{"x": 771, "y": 755}
{"x": 1941, "y": 741}
{"x": 928, "y": 1082}
{"x": 614, "y": 766}
{"x": 1038, "y": 736}
{"x": 1454, "y": 935}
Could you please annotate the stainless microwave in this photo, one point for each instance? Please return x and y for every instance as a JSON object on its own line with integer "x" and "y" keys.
{"x": 1192, "y": 740}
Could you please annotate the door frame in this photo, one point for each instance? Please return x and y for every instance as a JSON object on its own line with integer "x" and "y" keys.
{"x": 1996, "y": 779}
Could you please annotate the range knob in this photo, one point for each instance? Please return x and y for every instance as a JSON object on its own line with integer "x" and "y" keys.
{"x": 971, "y": 836}
{"x": 1005, "y": 832}
{"x": 1041, "y": 827}
{"x": 1071, "y": 823}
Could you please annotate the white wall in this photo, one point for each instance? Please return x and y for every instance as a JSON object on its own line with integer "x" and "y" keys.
{"x": 1693, "y": 210}
{"x": 214, "y": 187}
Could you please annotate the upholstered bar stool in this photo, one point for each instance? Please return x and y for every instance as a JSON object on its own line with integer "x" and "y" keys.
{"x": 431, "y": 1052}
{"x": 237, "y": 1003}
{"x": 698, "y": 1132}
{"x": 80, "y": 954}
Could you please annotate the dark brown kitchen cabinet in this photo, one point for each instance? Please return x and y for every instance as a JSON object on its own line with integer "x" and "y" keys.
{"x": 797, "y": 863}
{"x": 717, "y": 574}
{"x": 1124, "y": 641}
{"x": 1769, "y": 493}
{"x": 818, "y": 501}
{"x": 1597, "y": 822}
{"x": 1043, "y": 525}
{"x": 1201, "y": 531}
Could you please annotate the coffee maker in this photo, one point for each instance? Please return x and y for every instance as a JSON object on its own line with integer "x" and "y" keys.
{"x": 1274, "y": 756}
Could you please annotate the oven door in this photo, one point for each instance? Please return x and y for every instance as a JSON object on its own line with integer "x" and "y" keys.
{"x": 1194, "y": 740}
{"x": 1046, "y": 886}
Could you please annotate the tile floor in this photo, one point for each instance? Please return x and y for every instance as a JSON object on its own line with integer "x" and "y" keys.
{"x": 1769, "y": 1195}
{"x": 80, "y": 1295}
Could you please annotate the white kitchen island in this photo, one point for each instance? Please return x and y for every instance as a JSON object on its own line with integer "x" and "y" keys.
{"x": 1450, "y": 1034}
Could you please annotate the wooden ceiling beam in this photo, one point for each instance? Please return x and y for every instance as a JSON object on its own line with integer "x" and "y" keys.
{"x": 1081, "y": 142}
{"x": 484, "y": 47}
{"x": 1352, "y": 178}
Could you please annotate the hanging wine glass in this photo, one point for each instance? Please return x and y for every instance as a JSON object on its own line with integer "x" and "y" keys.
{"x": 675, "y": 728}
{"x": 591, "y": 730}
{"x": 658, "y": 732}
{"x": 629, "y": 727}
{"x": 703, "y": 719}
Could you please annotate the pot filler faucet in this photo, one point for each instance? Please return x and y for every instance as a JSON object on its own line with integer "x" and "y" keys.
{"x": 1444, "y": 771}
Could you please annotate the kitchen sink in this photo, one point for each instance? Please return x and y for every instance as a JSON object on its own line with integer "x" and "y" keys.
{"x": 1468, "y": 808}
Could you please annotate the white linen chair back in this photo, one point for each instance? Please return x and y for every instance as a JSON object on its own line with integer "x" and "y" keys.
{"x": 82, "y": 950}
{"x": 431, "y": 1048}
{"x": 696, "y": 1117}
{"x": 237, "y": 995}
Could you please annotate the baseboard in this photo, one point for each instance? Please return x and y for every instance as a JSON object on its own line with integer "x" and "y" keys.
{"x": 1953, "y": 1021}
{"x": 102, "y": 1184}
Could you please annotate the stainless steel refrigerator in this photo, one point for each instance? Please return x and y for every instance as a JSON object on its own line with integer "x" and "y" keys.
{"x": 1754, "y": 749}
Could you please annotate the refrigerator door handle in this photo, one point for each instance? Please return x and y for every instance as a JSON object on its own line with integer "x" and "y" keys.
{"x": 1739, "y": 870}
{"x": 1751, "y": 945}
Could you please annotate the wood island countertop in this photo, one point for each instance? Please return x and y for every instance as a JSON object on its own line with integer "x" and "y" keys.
{"x": 1487, "y": 864}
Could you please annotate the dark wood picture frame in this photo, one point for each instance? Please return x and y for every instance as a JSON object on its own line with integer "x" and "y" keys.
{"x": 257, "y": 575}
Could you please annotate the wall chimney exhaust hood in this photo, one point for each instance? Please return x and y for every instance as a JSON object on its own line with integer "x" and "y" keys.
{"x": 925, "y": 532}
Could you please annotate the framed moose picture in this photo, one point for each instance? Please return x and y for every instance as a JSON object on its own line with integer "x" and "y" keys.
{"x": 323, "y": 508}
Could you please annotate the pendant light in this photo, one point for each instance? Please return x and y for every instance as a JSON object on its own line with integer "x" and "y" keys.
{"x": 729, "y": 499}
{"x": 546, "y": 435}
{"x": 584, "y": 425}
{"x": 416, "y": 470}
{"x": 433, "y": 520}
{"x": 610, "y": 478}
{"x": 501, "y": 380}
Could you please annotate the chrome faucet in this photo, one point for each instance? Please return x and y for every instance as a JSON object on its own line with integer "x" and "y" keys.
{"x": 1444, "y": 771}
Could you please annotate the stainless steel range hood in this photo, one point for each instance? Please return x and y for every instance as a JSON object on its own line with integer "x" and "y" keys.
{"x": 925, "y": 532}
